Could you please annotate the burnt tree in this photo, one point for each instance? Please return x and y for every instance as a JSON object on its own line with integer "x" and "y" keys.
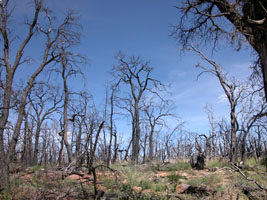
{"x": 136, "y": 74}
{"x": 237, "y": 21}
{"x": 233, "y": 91}
{"x": 50, "y": 34}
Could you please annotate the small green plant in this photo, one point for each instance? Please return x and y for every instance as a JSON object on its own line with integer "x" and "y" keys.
{"x": 125, "y": 188}
{"x": 191, "y": 172}
{"x": 6, "y": 195}
{"x": 209, "y": 180}
{"x": 263, "y": 161}
{"x": 16, "y": 181}
{"x": 69, "y": 182}
{"x": 175, "y": 178}
{"x": 36, "y": 182}
{"x": 179, "y": 166}
{"x": 108, "y": 183}
{"x": 159, "y": 187}
{"x": 135, "y": 177}
{"x": 37, "y": 168}
{"x": 157, "y": 167}
{"x": 250, "y": 162}
{"x": 145, "y": 184}
{"x": 216, "y": 163}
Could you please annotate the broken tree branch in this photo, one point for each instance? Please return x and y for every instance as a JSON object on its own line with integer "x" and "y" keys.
{"x": 248, "y": 178}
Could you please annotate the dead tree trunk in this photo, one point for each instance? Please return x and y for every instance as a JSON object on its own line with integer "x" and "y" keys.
{"x": 93, "y": 149}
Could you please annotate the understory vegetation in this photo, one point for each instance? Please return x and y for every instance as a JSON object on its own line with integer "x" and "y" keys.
{"x": 155, "y": 180}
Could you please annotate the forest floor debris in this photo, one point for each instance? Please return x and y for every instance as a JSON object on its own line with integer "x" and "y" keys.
{"x": 135, "y": 182}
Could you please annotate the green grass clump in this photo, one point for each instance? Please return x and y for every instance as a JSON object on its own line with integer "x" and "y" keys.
{"x": 135, "y": 177}
{"x": 216, "y": 163}
{"x": 141, "y": 178}
{"x": 250, "y": 162}
{"x": 16, "y": 181}
{"x": 175, "y": 178}
{"x": 157, "y": 167}
{"x": 69, "y": 182}
{"x": 146, "y": 184}
{"x": 37, "y": 168}
{"x": 108, "y": 183}
{"x": 159, "y": 187}
{"x": 179, "y": 166}
{"x": 191, "y": 172}
{"x": 209, "y": 180}
{"x": 6, "y": 195}
{"x": 263, "y": 161}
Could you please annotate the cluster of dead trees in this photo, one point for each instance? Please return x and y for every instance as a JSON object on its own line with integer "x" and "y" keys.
{"x": 50, "y": 124}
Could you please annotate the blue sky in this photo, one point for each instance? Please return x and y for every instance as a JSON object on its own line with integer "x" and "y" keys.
{"x": 142, "y": 28}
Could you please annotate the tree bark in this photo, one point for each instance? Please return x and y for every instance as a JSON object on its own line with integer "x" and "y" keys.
{"x": 136, "y": 145}
{"x": 151, "y": 143}
{"x": 65, "y": 115}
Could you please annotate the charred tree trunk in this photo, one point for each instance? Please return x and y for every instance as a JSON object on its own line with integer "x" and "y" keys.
{"x": 151, "y": 144}
{"x": 61, "y": 152}
{"x": 93, "y": 149}
{"x": 136, "y": 141}
{"x": 115, "y": 148}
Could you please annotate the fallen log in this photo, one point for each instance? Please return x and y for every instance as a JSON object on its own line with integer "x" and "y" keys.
{"x": 198, "y": 191}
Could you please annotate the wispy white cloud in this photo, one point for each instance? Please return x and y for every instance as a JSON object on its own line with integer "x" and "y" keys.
{"x": 222, "y": 98}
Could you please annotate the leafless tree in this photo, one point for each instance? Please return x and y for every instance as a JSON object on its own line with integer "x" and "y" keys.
{"x": 155, "y": 113}
{"x": 69, "y": 68}
{"x": 93, "y": 147}
{"x": 233, "y": 91}
{"x": 80, "y": 113}
{"x": 212, "y": 136}
{"x": 26, "y": 155}
{"x": 237, "y": 21}
{"x": 113, "y": 133}
{"x": 44, "y": 100}
{"x": 254, "y": 109}
{"x": 52, "y": 36}
{"x": 224, "y": 132}
{"x": 136, "y": 74}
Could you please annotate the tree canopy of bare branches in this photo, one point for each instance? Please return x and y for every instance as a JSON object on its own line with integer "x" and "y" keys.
{"x": 53, "y": 36}
{"x": 136, "y": 74}
{"x": 238, "y": 21}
